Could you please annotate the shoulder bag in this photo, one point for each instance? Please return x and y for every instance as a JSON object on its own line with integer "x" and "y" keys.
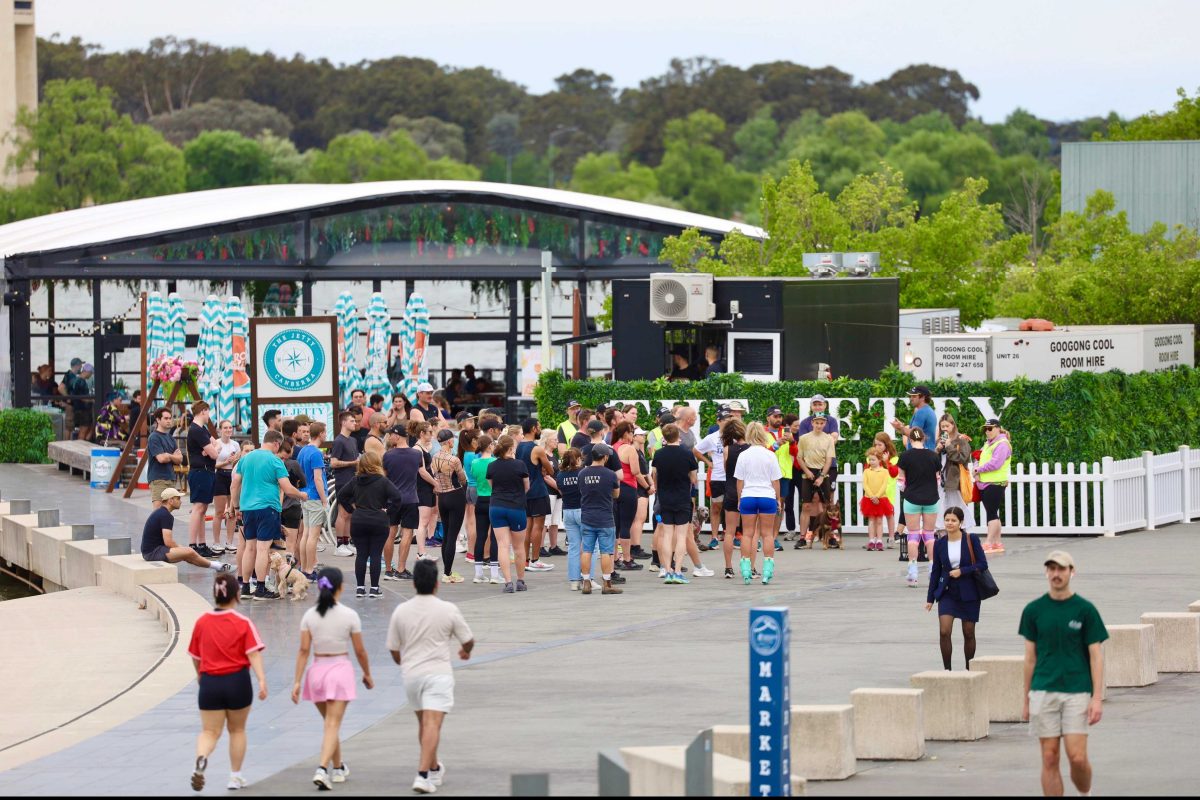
{"x": 984, "y": 581}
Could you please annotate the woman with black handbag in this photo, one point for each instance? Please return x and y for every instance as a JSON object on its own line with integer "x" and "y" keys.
{"x": 957, "y": 556}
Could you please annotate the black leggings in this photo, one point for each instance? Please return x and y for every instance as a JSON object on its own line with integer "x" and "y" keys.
{"x": 452, "y": 508}
{"x": 368, "y": 531}
{"x": 484, "y": 532}
{"x": 993, "y": 502}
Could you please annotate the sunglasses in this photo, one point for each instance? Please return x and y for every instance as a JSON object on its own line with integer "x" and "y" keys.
{"x": 989, "y": 427}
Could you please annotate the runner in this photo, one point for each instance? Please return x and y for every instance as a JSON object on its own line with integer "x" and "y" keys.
{"x": 711, "y": 450}
{"x": 420, "y": 437}
{"x": 733, "y": 442}
{"x": 509, "y": 479}
{"x": 374, "y": 442}
{"x": 419, "y": 635}
{"x": 158, "y": 543}
{"x": 627, "y": 500}
{"x": 757, "y": 474}
{"x": 328, "y": 630}
{"x": 598, "y": 487}
{"x": 537, "y": 463}
{"x": 466, "y": 454}
{"x": 202, "y": 452}
{"x": 162, "y": 455}
{"x": 1064, "y": 674}
{"x": 405, "y": 468}
{"x": 451, "y": 489}
{"x": 554, "y": 520}
{"x": 315, "y": 508}
{"x": 257, "y": 479}
{"x": 567, "y": 479}
{"x": 485, "y": 448}
{"x": 225, "y": 646}
{"x": 645, "y": 487}
{"x": 919, "y": 471}
{"x": 227, "y": 455}
{"x": 293, "y": 507}
{"x": 368, "y": 497}
{"x": 343, "y": 458}
{"x": 674, "y": 470}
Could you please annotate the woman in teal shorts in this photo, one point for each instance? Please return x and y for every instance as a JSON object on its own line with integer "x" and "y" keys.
{"x": 919, "y": 471}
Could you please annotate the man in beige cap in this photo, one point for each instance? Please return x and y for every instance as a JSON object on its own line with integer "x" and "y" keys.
{"x": 158, "y": 544}
{"x": 1064, "y": 674}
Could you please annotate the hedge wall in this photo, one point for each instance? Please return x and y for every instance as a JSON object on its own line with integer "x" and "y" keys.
{"x": 1080, "y": 417}
{"x": 24, "y": 435}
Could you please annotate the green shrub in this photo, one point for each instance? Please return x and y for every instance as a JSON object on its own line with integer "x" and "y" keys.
{"x": 24, "y": 435}
{"x": 1080, "y": 417}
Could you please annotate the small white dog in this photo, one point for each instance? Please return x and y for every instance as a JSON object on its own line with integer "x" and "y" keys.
{"x": 288, "y": 576}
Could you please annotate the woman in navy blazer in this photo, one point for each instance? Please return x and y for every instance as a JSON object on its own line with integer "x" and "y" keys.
{"x": 951, "y": 584}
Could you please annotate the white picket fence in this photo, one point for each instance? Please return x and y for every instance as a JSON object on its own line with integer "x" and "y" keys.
{"x": 1106, "y": 497}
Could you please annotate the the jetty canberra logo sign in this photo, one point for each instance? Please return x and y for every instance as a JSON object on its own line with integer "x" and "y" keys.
{"x": 294, "y": 360}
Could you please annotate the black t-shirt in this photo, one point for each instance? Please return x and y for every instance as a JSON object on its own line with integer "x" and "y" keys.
{"x": 568, "y": 486}
{"x": 156, "y": 523}
{"x": 920, "y": 467}
{"x": 613, "y": 463}
{"x": 579, "y": 440}
{"x": 596, "y": 486}
{"x": 430, "y": 414}
{"x": 507, "y": 477}
{"x": 344, "y": 448}
{"x": 360, "y": 438}
{"x": 731, "y": 458}
{"x": 673, "y": 465}
{"x": 402, "y": 465}
{"x": 197, "y": 437}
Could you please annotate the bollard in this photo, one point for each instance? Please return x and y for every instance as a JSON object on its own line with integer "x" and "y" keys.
{"x": 698, "y": 766}
{"x": 612, "y": 778}
{"x": 531, "y": 784}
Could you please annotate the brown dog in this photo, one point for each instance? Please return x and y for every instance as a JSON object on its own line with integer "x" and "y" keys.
{"x": 288, "y": 576}
{"x": 829, "y": 525}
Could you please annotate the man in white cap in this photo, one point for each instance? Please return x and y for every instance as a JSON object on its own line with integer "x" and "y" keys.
{"x": 425, "y": 406}
{"x": 158, "y": 543}
{"x": 1064, "y": 674}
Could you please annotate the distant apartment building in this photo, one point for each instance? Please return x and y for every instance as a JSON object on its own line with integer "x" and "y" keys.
{"x": 1150, "y": 181}
{"x": 18, "y": 79}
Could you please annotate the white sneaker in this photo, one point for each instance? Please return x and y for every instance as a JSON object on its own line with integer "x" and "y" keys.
{"x": 321, "y": 779}
{"x": 236, "y": 782}
{"x": 353, "y": 550}
{"x": 423, "y": 785}
{"x": 436, "y": 776}
{"x": 496, "y": 579}
{"x": 341, "y": 773}
{"x": 479, "y": 579}
{"x": 539, "y": 566}
{"x": 662, "y": 572}
{"x": 342, "y": 550}
{"x": 320, "y": 547}
{"x": 574, "y": 586}
{"x": 702, "y": 572}
{"x": 596, "y": 584}
{"x": 460, "y": 546}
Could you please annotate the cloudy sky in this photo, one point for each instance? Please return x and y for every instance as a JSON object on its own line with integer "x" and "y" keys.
{"x": 1061, "y": 59}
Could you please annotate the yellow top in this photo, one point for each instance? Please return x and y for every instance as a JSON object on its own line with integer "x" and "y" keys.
{"x": 875, "y": 482}
{"x": 813, "y": 448}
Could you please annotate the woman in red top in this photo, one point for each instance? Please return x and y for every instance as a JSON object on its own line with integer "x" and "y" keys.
{"x": 627, "y": 501}
{"x": 225, "y": 645}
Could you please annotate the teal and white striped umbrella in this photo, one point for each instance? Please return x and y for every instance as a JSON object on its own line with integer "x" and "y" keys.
{"x": 414, "y": 339}
{"x": 211, "y": 353}
{"x": 349, "y": 377}
{"x": 176, "y": 324}
{"x": 379, "y": 333}
{"x": 157, "y": 341}
{"x": 239, "y": 350}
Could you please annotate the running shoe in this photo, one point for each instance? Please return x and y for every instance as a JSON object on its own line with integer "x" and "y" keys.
{"x": 353, "y": 549}
{"x": 595, "y": 584}
{"x": 453, "y": 577}
{"x": 375, "y": 593}
{"x": 495, "y": 579}
{"x": 799, "y": 545}
{"x": 320, "y": 547}
{"x": 245, "y": 591}
{"x": 713, "y": 544}
{"x": 997, "y": 548}
{"x": 204, "y": 550}
{"x": 729, "y": 573}
{"x": 261, "y": 593}
{"x": 217, "y": 551}
{"x": 521, "y": 587}
{"x": 226, "y": 568}
{"x": 641, "y": 555}
{"x": 669, "y": 578}
{"x": 543, "y": 553}
{"x": 236, "y": 782}
{"x": 470, "y": 557}
{"x": 557, "y": 551}
{"x": 747, "y": 571}
{"x": 321, "y": 779}
{"x": 479, "y": 579}
{"x": 230, "y": 550}
{"x": 340, "y": 774}
{"x": 737, "y": 541}
{"x": 574, "y": 586}
{"x": 702, "y": 572}
{"x": 360, "y": 592}
{"x": 198, "y": 773}
{"x": 423, "y": 785}
{"x": 341, "y": 550}
{"x": 390, "y": 574}
{"x": 538, "y": 566}
{"x": 632, "y": 566}
{"x": 616, "y": 577}
{"x": 404, "y": 575}
{"x": 768, "y": 570}
{"x": 912, "y": 583}
{"x": 460, "y": 546}
{"x": 662, "y": 572}
{"x": 436, "y": 776}
{"x": 509, "y": 588}
{"x": 680, "y": 579}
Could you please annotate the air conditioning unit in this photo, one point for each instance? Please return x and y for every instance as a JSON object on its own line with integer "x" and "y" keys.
{"x": 681, "y": 297}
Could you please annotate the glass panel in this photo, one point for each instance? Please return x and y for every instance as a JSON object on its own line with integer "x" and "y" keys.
{"x": 275, "y": 245}
{"x": 621, "y": 244}
{"x": 442, "y": 233}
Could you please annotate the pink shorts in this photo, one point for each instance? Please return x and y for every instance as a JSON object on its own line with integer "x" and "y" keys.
{"x": 923, "y": 536}
{"x": 329, "y": 678}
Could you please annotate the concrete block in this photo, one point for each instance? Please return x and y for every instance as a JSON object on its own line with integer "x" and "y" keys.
{"x": 15, "y": 507}
{"x": 1176, "y": 640}
{"x": 1194, "y": 607}
{"x": 81, "y": 559}
{"x": 732, "y": 741}
{"x": 47, "y": 551}
{"x": 124, "y": 574}
{"x": 14, "y": 538}
{"x": 955, "y": 705}
{"x": 659, "y": 771}
{"x": 1004, "y": 681}
{"x": 889, "y": 724}
{"x": 1129, "y": 656}
{"x": 823, "y": 742}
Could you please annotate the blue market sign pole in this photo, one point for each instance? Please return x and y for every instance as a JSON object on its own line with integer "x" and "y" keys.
{"x": 770, "y": 703}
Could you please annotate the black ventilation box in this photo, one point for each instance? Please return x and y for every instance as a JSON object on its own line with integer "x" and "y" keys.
{"x": 788, "y": 328}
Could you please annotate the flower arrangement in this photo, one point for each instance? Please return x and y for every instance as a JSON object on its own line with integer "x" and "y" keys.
{"x": 172, "y": 369}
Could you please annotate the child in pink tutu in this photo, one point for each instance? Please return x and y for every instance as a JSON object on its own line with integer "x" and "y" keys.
{"x": 329, "y": 630}
{"x": 875, "y": 505}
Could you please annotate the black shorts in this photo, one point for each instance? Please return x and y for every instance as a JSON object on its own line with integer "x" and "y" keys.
{"x": 228, "y": 692}
{"x": 222, "y": 483}
{"x": 425, "y": 497}
{"x": 676, "y": 516}
{"x": 406, "y": 515}
{"x": 157, "y": 554}
{"x": 624, "y": 511}
{"x": 537, "y": 506}
{"x": 291, "y": 517}
{"x": 200, "y": 483}
{"x": 824, "y": 491}
{"x": 993, "y": 502}
{"x": 717, "y": 490}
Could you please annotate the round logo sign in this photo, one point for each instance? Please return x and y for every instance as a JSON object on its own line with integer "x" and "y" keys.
{"x": 765, "y": 636}
{"x": 294, "y": 360}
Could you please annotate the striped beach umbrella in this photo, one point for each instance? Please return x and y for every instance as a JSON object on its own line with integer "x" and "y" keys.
{"x": 176, "y": 324}
{"x": 211, "y": 353}
{"x": 349, "y": 377}
{"x": 157, "y": 341}
{"x": 379, "y": 333}
{"x": 239, "y": 383}
{"x": 414, "y": 336}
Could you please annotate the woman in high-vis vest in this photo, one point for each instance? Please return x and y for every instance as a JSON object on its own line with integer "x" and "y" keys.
{"x": 991, "y": 473}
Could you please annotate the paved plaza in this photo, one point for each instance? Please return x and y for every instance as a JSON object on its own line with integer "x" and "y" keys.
{"x": 557, "y": 676}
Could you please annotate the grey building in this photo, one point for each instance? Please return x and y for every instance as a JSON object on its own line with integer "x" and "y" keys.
{"x": 1151, "y": 181}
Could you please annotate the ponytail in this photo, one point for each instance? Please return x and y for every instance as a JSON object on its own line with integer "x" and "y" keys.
{"x": 329, "y": 580}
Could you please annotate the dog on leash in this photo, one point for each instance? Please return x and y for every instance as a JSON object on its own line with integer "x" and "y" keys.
{"x": 829, "y": 526}
{"x": 288, "y": 575}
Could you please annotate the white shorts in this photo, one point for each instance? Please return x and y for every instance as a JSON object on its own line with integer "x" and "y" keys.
{"x": 314, "y": 514}
{"x": 430, "y": 692}
{"x": 555, "y": 511}
{"x": 1055, "y": 714}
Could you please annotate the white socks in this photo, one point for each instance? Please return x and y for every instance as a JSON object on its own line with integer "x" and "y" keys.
{"x": 479, "y": 570}
{"x": 214, "y": 565}
{"x": 495, "y": 568}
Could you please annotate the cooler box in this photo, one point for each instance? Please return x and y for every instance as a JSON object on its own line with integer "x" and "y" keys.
{"x": 104, "y": 464}
{"x": 142, "y": 482}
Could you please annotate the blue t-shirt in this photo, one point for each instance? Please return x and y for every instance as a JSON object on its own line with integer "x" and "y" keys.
{"x": 467, "y": 459}
{"x": 568, "y": 487}
{"x": 260, "y": 471}
{"x": 159, "y": 443}
{"x": 925, "y": 419}
{"x": 310, "y": 459}
{"x": 596, "y": 486}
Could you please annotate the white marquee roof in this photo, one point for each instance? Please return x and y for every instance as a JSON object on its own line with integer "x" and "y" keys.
{"x": 133, "y": 219}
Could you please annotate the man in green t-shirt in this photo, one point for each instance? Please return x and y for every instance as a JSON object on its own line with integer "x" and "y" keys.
{"x": 1064, "y": 674}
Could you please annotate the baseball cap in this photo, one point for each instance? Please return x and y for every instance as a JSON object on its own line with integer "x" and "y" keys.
{"x": 736, "y": 405}
{"x": 595, "y": 426}
{"x": 818, "y": 398}
{"x": 445, "y": 435}
{"x": 920, "y": 389}
{"x": 170, "y": 492}
{"x": 992, "y": 423}
{"x": 425, "y": 387}
{"x": 774, "y": 410}
{"x": 666, "y": 418}
{"x": 820, "y": 415}
{"x": 1060, "y": 557}
{"x": 75, "y": 362}
{"x": 723, "y": 413}
{"x": 399, "y": 430}
{"x": 573, "y": 404}
{"x": 638, "y": 432}
{"x": 601, "y": 450}
{"x": 663, "y": 410}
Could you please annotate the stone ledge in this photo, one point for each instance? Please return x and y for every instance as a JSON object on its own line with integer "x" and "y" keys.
{"x": 124, "y": 574}
{"x": 1129, "y": 658}
{"x": 1176, "y": 640}
{"x": 1004, "y": 681}
{"x": 659, "y": 771}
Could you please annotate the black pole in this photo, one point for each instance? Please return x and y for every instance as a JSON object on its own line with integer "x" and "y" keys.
{"x": 306, "y": 297}
{"x": 99, "y": 357}
{"x": 50, "y": 327}
{"x": 526, "y": 290}
{"x": 510, "y": 357}
{"x": 410, "y": 286}
{"x": 377, "y": 285}
{"x": 583, "y": 351}
{"x": 18, "y": 345}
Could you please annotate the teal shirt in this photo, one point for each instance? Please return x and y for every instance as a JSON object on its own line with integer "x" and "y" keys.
{"x": 467, "y": 459}
{"x": 260, "y": 471}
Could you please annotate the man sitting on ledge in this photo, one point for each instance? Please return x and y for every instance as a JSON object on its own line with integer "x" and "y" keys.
{"x": 159, "y": 545}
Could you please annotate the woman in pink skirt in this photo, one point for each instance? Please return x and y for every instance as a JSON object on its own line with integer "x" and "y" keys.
{"x": 329, "y": 630}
